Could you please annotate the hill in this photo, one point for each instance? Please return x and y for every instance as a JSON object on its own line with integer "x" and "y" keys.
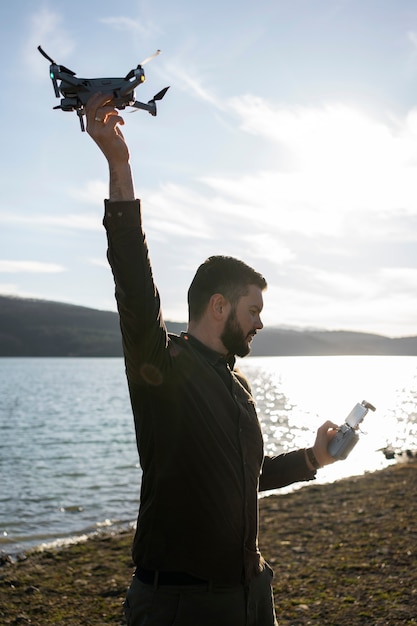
{"x": 44, "y": 328}
{"x": 284, "y": 342}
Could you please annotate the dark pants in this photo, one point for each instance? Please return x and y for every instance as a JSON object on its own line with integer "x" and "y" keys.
{"x": 202, "y": 605}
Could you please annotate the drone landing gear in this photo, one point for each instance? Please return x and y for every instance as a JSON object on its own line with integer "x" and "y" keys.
{"x": 80, "y": 114}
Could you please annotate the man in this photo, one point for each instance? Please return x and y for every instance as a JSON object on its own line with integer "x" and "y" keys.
{"x": 199, "y": 439}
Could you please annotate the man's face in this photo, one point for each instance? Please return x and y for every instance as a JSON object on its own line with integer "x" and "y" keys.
{"x": 243, "y": 322}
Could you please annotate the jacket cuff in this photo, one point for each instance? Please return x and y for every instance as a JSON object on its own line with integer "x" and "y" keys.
{"x": 121, "y": 214}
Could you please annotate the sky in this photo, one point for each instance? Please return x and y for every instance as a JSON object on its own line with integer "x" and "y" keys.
{"x": 288, "y": 139}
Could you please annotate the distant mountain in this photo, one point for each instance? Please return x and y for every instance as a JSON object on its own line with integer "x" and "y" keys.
{"x": 285, "y": 342}
{"x": 43, "y": 328}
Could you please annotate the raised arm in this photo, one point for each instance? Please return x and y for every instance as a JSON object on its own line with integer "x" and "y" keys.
{"x": 144, "y": 333}
{"x": 103, "y": 125}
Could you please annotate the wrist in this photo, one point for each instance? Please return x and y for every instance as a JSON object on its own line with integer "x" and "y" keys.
{"x": 121, "y": 182}
{"x": 311, "y": 459}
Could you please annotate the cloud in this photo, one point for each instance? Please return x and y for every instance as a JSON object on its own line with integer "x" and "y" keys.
{"x": 29, "y": 267}
{"x": 266, "y": 246}
{"x": 325, "y": 231}
{"x": 9, "y": 289}
{"x": 188, "y": 82}
{"x": 373, "y": 299}
{"x": 144, "y": 28}
{"x": 279, "y": 201}
{"x": 93, "y": 192}
{"x": 99, "y": 262}
{"x": 334, "y": 166}
{"x": 334, "y": 139}
{"x": 172, "y": 211}
{"x": 45, "y": 29}
{"x": 328, "y": 223}
{"x": 71, "y": 221}
{"x": 397, "y": 280}
{"x": 309, "y": 296}
{"x": 412, "y": 38}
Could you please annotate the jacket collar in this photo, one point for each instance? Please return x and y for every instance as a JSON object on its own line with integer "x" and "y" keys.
{"x": 213, "y": 357}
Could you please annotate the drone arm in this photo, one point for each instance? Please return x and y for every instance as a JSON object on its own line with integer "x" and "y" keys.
{"x": 66, "y": 77}
{"x": 150, "y": 107}
{"x": 53, "y": 76}
{"x": 133, "y": 79}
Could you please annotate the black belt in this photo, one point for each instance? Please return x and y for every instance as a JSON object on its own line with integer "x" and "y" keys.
{"x": 156, "y": 577}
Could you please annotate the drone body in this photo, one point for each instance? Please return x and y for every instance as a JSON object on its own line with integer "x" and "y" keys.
{"x": 77, "y": 91}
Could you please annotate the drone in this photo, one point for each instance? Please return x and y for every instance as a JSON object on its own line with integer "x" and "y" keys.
{"x": 77, "y": 91}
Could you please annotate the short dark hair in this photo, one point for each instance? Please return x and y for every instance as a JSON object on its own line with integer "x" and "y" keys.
{"x": 220, "y": 274}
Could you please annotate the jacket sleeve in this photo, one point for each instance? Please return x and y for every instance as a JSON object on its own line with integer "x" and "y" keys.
{"x": 144, "y": 334}
{"x": 284, "y": 469}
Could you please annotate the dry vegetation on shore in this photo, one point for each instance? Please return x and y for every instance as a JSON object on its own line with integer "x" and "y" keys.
{"x": 344, "y": 554}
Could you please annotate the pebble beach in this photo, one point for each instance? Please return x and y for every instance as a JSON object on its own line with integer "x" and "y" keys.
{"x": 344, "y": 554}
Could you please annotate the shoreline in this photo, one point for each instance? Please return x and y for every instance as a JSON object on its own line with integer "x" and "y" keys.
{"x": 343, "y": 553}
{"x": 14, "y": 555}
{"x": 18, "y": 551}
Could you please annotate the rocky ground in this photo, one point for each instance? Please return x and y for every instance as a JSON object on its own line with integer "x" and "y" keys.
{"x": 344, "y": 554}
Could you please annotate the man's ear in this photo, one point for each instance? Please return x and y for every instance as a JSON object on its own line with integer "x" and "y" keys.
{"x": 219, "y": 306}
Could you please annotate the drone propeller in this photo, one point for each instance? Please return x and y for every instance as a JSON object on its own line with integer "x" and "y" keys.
{"x": 54, "y": 70}
{"x": 46, "y": 56}
{"x": 139, "y": 70}
{"x": 61, "y": 68}
{"x": 155, "y": 54}
{"x": 160, "y": 94}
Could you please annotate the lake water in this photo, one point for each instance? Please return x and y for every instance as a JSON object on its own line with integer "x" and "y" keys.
{"x": 68, "y": 460}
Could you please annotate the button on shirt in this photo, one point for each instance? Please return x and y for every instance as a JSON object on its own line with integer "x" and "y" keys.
{"x": 198, "y": 435}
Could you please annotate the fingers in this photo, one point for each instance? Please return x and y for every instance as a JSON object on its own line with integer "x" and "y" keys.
{"x": 100, "y": 112}
{"x": 103, "y": 125}
{"x": 325, "y": 434}
{"x": 103, "y": 114}
{"x": 328, "y": 425}
{"x": 93, "y": 106}
{"x": 97, "y": 101}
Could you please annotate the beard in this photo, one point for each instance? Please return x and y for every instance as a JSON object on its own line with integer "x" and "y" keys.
{"x": 233, "y": 337}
